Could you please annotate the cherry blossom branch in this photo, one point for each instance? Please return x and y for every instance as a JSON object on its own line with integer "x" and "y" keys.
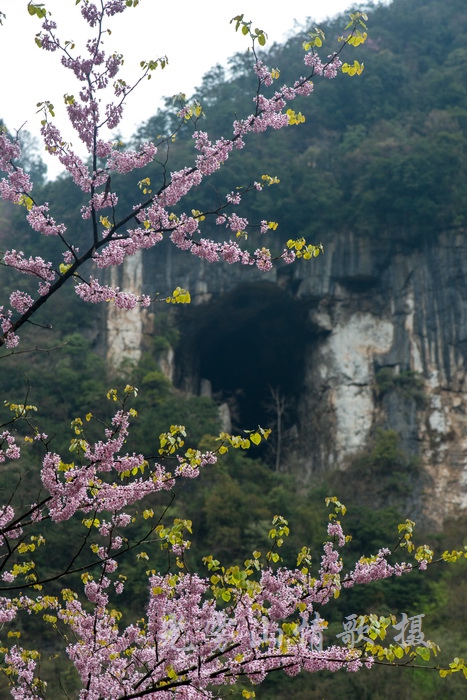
{"x": 153, "y": 213}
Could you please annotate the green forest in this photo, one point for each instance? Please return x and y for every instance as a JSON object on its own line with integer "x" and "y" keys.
{"x": 383, "y": 155}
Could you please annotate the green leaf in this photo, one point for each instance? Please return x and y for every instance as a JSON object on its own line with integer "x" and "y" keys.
{"x": 38, "y": 10}
{"x": 424, "y": 653}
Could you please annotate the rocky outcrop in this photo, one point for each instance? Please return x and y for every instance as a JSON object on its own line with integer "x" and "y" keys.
{"x": 388, "y": 306}
{"x": 366, "y": 305}
{"x": 124, "y": 328}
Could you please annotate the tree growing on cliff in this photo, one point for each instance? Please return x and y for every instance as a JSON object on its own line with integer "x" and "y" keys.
{"x": 197, "y": 634}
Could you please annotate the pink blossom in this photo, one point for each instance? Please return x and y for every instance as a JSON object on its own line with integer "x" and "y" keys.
{"x": 236, "y": 223}
{"x": 231, "y": 252}
{"x": 69, "y": 255}
{"x": 11, "y": 451}
{"x": 263, "y": 259}
{"x": 21, "y": 301}
{"x": 90, "y": 14}
{"x": 11, "y": 340}
{"x": 31, "y": 266}
{"x": 288, "y": 256}
{"x": 9, "y": 150}
{"x": 126, "y": 161}
{"x": 233, "y": 198}
{"x": 335, "y": 530}
{"x": 15, "y": 186}
{"x": 40, "y": 221}
{"x": 95, "y": 293}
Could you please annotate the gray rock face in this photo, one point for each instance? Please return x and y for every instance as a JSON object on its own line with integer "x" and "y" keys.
{"x": 124, "y": 328}
{"x": 366, "y": 305}
{"x": 404, "y": 309}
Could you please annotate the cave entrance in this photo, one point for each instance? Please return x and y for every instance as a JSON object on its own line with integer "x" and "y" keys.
{"x": 250, "y": 346}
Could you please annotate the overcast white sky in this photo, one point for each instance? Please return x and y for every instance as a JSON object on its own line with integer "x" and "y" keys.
{"x": 194, "y": 34}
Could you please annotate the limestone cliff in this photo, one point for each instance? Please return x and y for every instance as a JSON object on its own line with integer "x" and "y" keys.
{"x": 322, "y": 331}
{"x": 124, "y": 328}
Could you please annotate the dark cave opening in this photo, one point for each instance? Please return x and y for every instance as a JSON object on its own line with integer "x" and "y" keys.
{"x": 250, "y": 345}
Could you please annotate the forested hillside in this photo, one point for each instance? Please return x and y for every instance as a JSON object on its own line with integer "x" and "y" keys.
{"x": 382, "y": 156}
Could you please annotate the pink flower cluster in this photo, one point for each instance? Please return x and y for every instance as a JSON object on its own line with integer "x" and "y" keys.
{"x": 263, "y": 73}
{"x": 40, "y": 221}
{"x": 335, "y": 530}
{"x": 31, "y": 266}
{"x": 117, "y": 250}
{"x": 233, "y": 198}
{"x": 17, "y": 184}
{"x": 95, "y": 293}
{"x": 263, "y": 259}
{"x": 37, "y": 267}
{"x": 81, "y": 486}
{"x": 12, "y": 450}
{"x": 196, "y": 640}
{"x": 126, "y": 161}
{"x": 8, "y": 526}
{"x": 11, "y": 339}
{"x": 24, "y": 670}
{"x": 226, "y": 643}
{"x": 328, "y": 69}
{"x": 374, "y": 569}
{"x": 100, "y": 200}
{"x": 9, "y": 151}
{"x": 185, "y": 634}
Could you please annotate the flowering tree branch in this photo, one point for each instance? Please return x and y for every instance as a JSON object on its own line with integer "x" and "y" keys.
{"x": 111, "y": 242}
{"x": 197, "y": 634}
